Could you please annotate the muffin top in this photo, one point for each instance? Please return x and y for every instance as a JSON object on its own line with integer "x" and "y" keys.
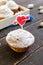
{"x": 12, "y": 4}
{"x": 20, "y": 38}
{"x": 5, "y": 12}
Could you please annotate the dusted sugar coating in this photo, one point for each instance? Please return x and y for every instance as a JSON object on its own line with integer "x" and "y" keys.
{"x": 20, "y": 38}
{"x": 12, "y": 5}
{"x": 5, "y": 12}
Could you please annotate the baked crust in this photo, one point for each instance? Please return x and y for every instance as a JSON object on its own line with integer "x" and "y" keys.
{"x": 17, "y": 10}
{"x": 19, "y": 49}
{"x": 2, "y": 18}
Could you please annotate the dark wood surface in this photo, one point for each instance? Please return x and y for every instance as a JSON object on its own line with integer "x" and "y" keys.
{"x": 34, "y": 55}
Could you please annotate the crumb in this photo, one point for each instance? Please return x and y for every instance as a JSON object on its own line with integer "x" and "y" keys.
{"x": 41, "y": 11}
{"x": 41, "y": 24}
{"x": 30, "y": 6}
{"x": 40, "y": 7}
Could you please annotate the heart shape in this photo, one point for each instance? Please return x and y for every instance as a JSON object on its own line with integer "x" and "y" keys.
{"x": 22, "y": 19}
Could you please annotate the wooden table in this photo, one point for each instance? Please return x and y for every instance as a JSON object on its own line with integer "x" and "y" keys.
{"x": 34, "y": 55}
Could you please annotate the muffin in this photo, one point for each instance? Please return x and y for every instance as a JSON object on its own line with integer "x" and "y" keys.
{"x": 3, "y": 2}
{"x": 5, "y": 12}
{"x": 13, "y": 6}
{"x": 20, "y": 40}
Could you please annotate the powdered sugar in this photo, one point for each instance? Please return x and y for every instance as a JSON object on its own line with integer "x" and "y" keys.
{"x": 5, "y": 12}
{"x": 12, "y": 5}
{"x": 23, "y": 38}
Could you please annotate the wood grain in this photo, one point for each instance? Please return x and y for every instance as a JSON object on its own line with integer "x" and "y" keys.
{"x": 9, "y": 57}
{"x": 34, "y": 59}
